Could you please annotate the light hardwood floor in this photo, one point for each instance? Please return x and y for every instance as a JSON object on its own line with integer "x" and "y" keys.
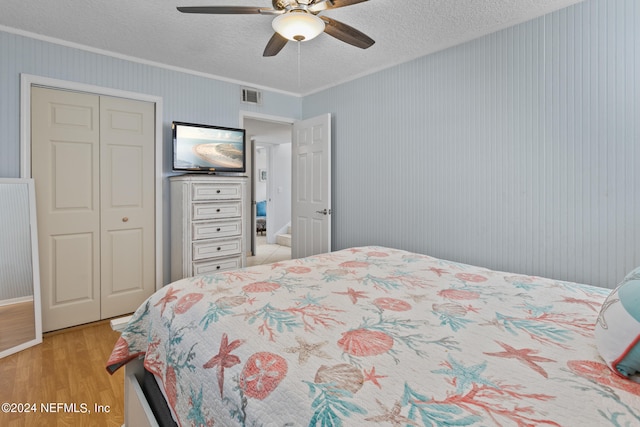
{"x": 18, "y": 324}
{"x": 67, "y": 368}
{"x": 267, "y": 253}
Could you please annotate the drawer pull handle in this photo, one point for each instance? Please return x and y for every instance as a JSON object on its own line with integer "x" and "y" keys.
{"x": 125, "y": 219}
{"x": 218, "y": 191}
{"x": 218, "y": 229}
{"x": 219, "y": 248}
{"x": 218, "y": 268}
{"x": 218, "y": 210}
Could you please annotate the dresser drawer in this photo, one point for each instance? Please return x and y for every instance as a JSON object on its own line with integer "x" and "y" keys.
{"x": 215, "y": 191}
{"x": 215, "y": 229}
{"x": 213, "y": 266}
{"x": 216, "y": 248}
{"x": 216, "y": 210}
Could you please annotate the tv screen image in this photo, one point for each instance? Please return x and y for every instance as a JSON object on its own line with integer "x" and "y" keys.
{"x": 206, "y": 148}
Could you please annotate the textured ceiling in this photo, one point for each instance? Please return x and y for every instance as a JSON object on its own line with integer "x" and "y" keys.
{"x": 230, "y": 46}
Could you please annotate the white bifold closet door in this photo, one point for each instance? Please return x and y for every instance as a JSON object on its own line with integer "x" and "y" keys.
{"x": 92, "y": 160}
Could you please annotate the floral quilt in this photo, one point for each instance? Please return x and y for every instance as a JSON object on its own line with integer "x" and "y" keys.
{"x": 378, "y": 336}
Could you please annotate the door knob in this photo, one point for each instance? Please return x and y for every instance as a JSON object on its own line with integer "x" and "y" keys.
{"x": 324, "y": 212}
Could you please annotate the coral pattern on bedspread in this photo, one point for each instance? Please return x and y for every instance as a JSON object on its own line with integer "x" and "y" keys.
{"x": 378, "y": 336}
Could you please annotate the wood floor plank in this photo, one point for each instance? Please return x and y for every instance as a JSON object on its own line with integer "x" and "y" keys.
{"x": 67, "y": 368}
{"x": 18, "y": 324}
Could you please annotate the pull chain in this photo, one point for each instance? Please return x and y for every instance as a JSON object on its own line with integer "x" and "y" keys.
{"x": 299, "y": 75}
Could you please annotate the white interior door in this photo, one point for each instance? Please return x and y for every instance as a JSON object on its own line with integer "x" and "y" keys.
{"x": 311, "y": 187}
{"x": 65, "y": 164}
{"x": 127, "y": 224}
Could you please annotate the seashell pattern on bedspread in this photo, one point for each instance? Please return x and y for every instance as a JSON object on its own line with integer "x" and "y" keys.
{"x": 378, "y": 336}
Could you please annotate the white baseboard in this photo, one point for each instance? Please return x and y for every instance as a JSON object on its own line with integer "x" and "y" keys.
{"x": 16, "y": 300}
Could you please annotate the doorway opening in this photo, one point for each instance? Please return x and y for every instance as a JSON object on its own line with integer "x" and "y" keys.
{"x": 269, "y": 174}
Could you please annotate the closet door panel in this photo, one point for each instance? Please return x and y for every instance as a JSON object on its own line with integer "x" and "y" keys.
{"x": 125, "y": 249}
{"x": 72, "y": 275}
{"x": 65, "y": 149}
{"x": 69, "y": 192}
{"x": 128, "y": 204}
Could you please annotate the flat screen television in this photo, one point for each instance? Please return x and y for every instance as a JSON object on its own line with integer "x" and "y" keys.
{"x": 208, "y": 149}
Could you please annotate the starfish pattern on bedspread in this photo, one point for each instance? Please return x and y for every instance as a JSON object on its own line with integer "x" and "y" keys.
{"x": 378, "y": 336}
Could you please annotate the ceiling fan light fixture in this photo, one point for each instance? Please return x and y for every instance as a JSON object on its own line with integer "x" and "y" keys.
{"x": 298, "y": 26}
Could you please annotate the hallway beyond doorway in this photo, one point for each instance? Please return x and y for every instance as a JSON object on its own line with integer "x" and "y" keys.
{"x": 267, "y": 253}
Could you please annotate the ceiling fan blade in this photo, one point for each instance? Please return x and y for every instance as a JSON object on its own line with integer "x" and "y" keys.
{"x": 229, "y": 10}
{"x": 275, "y": 45}
{"x": 333, "y": 4}
{"x": 346, "y": 33}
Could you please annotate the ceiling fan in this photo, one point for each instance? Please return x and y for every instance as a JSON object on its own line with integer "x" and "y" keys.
{"x": 297, "y": 20}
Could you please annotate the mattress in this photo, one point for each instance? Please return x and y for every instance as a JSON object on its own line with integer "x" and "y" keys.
{"x": 379, "y": 336}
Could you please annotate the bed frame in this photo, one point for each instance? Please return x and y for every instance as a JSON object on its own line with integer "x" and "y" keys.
{"x": 137, "y": 411}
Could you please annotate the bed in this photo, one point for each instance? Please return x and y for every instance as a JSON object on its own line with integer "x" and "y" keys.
{"x": 376, "y": 336}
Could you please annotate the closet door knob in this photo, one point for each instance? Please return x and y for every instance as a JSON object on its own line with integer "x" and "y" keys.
{"x": 125, "y": 219}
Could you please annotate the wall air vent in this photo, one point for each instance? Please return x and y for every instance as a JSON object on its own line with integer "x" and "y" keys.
{"x": 251, "y": 96}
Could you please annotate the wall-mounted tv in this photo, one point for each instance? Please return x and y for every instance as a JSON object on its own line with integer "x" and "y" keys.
{"x": 208, "y": 149}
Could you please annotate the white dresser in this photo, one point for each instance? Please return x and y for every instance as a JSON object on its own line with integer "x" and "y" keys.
{"x": 207, "y": 224}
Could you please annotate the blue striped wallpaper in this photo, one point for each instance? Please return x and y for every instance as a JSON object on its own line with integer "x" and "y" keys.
{"x": 516, "y": 151}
